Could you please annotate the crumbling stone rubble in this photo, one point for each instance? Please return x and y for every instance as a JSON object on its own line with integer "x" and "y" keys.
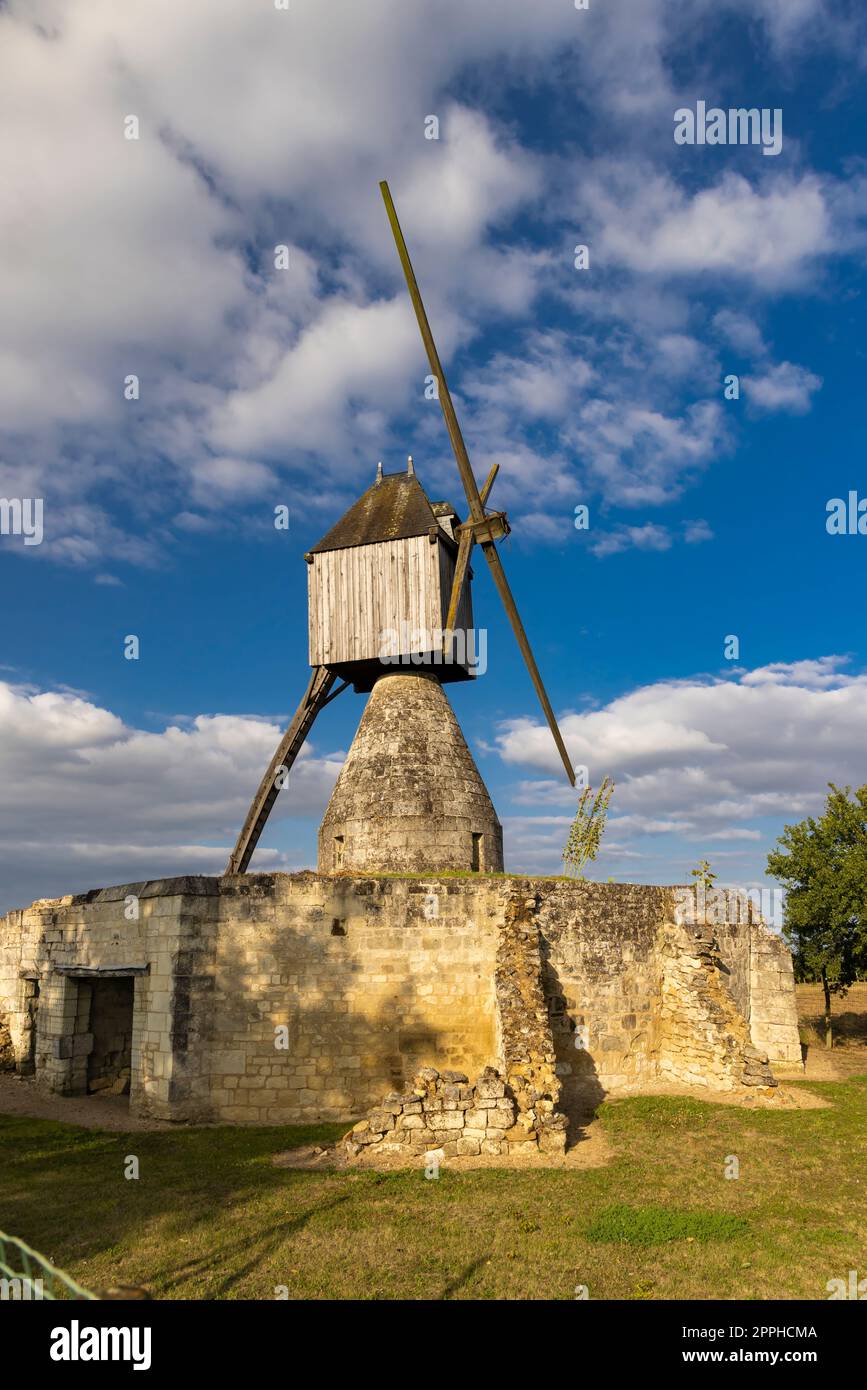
{"x": 526, "y": 1041}
{"x": 444, "y": 1116}
{"x": 7, "y": 1051}
{"x": 705, "y": 1040}
{"x": 513, "y": 1112}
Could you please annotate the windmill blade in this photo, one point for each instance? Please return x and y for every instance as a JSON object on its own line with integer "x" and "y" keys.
{"x": 474, "y": 499}
{"x": 315, "y": 699}
{"x": 468, "y": 478}
{"x": 492, "y": 555}
{"x": 489, "y": 483}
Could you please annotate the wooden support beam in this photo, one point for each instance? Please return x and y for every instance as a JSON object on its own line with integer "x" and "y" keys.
{"x": 465, "y": 545}
{"x": 484, "y": 529}
{"x": 316, "y": 697}
{"x": 490, "y": 528}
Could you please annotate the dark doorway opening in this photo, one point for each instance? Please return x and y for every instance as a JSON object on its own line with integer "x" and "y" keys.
{"x": 110, "y": 1059}
{"x": 31, "y": 1010}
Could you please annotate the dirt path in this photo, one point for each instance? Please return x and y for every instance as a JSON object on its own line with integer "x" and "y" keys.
{"x": 22, "y": 1096}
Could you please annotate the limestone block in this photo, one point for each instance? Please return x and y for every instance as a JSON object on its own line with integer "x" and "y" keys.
{"x": 500, "y": 1119}
{"x": 468, "y": 1147}
{"x": 476, "y": 1119}
{"x": 448, "y": 1120}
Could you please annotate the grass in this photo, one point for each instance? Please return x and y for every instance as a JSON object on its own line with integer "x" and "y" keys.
{"x": 653, "y": 1225}
{"x": 211, "y": 1217}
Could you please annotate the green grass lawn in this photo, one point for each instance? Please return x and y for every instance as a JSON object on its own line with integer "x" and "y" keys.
{"x": 211, "y": 1217}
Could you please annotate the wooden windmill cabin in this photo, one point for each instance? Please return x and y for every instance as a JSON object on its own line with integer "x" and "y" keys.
{"x": 379, "y": 585}
{"x": 389, "y": 585}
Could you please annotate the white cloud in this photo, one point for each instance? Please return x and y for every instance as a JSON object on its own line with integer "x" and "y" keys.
{"x": 261, "y": 127}
{"x": 647, "y": 537}
{"x": 694, "y": 532}
{"x": 771, "y": 234}
{"x": 85, "y": 799}
{"x": 785, "y": 386}
{"x": 706, "y": 759}
{"x": 739, "y": 331}
{"x": 638, "y": 455}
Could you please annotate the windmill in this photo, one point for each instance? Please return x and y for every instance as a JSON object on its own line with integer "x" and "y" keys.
{"x": 394, "y": 558}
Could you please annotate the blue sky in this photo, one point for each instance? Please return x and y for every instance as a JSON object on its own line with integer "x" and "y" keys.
{"x": 262, "y": 387}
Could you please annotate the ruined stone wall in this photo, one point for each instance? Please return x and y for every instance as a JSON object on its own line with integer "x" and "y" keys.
{"x": 290, "y": 997}
{"x": 371, "y": 979}
{"x": 703, "y": 1038}
{"x": 147, "y": 932}
{"x": 602, "y": 981}
{"x": 733, "y": 940}
{"x": 773, "y": 1008}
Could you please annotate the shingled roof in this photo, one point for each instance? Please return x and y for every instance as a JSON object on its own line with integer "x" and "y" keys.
{"x": 393, "y": 509}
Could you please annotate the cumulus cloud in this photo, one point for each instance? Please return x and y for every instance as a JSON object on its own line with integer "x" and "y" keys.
{"x": 638, "y": 455}
{"x": 703, "y": 761}
{"x": 739, "y": 331}
{"x": 260, "y": 127}
{"x": 785, "y": 386}
{"x": 86, "y": 799}
{"x": 647, "y": 537}
{"x": 770, "y": 234}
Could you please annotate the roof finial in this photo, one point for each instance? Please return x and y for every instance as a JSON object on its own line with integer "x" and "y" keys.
{"x": 379, "y": 471}
{"x": 410, "y": 468}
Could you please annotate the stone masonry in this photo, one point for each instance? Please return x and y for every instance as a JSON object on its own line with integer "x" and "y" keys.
{"x": 409, "y": 798}
{"x": 282, "y": 998}
{"x": 443, "y": 1116}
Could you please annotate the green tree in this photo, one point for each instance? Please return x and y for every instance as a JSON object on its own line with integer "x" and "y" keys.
{"x": 823, "y": 866}
{"x": 586, "y": 829}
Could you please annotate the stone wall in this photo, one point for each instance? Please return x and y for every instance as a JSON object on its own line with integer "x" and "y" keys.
{"x": 289, "y": 997}
{"x": 773, "y": 1008}
{"x": 703, "y": 1038}
{"x": 602, "y": 982}
{"x": 370, "y": 979}
{"x": 443, "y": 1116}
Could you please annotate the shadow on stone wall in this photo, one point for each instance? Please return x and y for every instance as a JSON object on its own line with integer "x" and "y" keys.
{"x": 340, "y": 1058}
{"x": 581, "y": 1090}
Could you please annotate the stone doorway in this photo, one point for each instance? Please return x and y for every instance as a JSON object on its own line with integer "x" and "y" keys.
{"x": 111, "y": 1016}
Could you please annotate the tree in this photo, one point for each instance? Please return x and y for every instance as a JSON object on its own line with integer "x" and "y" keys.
{"x": 586, "y": 829}
{"x": 703, "y": 874}
{"x": 823, "y": 866}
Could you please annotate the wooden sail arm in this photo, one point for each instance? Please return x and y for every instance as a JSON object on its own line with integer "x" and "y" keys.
{"x": 486, "y": 529}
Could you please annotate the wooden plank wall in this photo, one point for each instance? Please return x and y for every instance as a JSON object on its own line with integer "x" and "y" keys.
{"x": 354, "y": 595}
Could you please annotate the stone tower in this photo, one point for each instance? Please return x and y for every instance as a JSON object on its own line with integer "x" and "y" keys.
{"x": 410, "y": 798}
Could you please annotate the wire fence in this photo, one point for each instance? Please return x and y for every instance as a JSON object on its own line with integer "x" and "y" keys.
{"x": 25, "y": 1274}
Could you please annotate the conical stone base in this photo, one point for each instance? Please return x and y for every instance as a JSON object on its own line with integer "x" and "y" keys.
{"x": 410, "y": 798}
